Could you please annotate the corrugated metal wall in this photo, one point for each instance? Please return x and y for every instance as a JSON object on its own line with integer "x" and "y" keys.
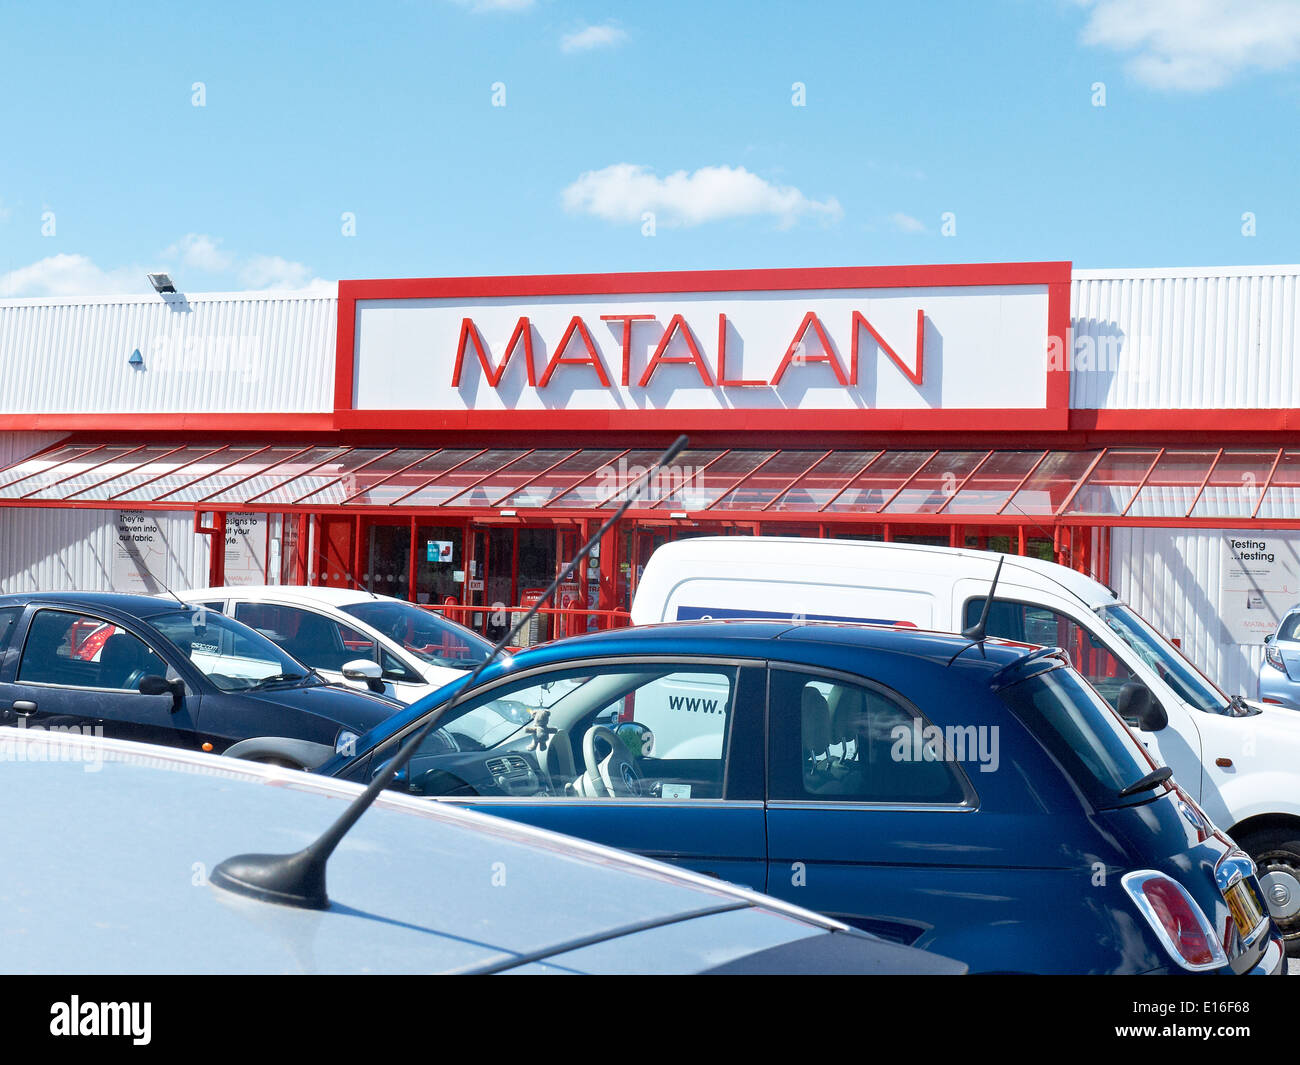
{"x": 14, "y": 447}
{"x": 1213, "y": 338}
{"x": 1172, "y": 578}
{"x": 48, "y": 549}
{"x": 222, "y": 353}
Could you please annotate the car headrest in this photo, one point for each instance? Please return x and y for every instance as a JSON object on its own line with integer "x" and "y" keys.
{"x": 847, "y": 708}
{"x": 121, "y": 649}
{"x": 816, "y": 721}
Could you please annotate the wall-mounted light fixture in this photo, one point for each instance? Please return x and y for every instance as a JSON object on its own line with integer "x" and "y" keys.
{"x": 161, "y": 283}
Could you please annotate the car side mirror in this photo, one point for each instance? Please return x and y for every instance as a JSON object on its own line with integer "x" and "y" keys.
{"x": 1270, "y": 637}
{"x": 1140, "y": 709}
{"x": 156, "y": 685}
{"x": 365, "y": 671}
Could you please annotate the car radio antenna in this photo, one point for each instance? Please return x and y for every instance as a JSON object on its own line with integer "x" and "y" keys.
{"x": 976, "y": 632}
{"x": 299, "y": 879}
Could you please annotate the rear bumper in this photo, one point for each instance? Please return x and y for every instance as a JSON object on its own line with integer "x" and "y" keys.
{"x": 1277, "y": 688}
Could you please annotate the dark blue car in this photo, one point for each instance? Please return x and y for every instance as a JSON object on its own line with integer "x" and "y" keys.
{"x": 153, "y": 669}
{"x": 973, "y": 798}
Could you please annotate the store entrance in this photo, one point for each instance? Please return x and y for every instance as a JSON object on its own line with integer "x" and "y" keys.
{"x": 388, "y": 551}
{"x": 509, "y": 566}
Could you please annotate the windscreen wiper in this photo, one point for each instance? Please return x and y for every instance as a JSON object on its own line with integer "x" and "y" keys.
{"x": 1239, "y": 706}
{"x": 1152, "y": 780}
{"x": 276, "y": 678}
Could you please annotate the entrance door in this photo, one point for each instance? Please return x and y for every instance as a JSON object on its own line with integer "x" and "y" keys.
{"x": 439, "y": 556}
{"x": 334, "y": 554}
{"x": 388, "y": 554}
{"x": 516, "y": 562}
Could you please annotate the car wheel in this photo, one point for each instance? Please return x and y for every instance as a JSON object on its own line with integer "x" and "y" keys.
{"x": 1277, "y": 858}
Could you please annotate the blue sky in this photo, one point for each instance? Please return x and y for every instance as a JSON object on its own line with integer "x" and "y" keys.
{"x": 913, "y": 111}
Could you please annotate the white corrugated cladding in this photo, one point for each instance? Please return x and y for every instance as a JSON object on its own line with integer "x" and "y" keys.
{"x": 53, "y": 549}
{"x": 1171, "y": 577}
{"x": 14, "y": 447}
{"x": 1222, "y": 337}
{"x": 1215, "y": 338}
{"x": 270, "y": 351}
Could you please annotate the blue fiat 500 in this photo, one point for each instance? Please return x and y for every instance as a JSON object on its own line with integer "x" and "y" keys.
{"x": 976, "y": 799}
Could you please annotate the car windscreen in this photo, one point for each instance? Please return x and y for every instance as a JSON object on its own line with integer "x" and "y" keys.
{"x": 1172, "y": 668}
{"x": 423, "y": 633}
{"x": 230, "y": 654}
{"x": 1082, "y": 734}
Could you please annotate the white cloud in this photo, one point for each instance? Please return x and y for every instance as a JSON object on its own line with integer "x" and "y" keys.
{"x": 77, "y": 275}
{"x": 69, "y": 275}
{"x": 199, "y": 252}
{"x": 905, "y": 223}
{"x": 274, "y": 272}
{"x": 625, "y": 191}
{"x": 591, "y": 37}
{"x": 1195, "y": 45}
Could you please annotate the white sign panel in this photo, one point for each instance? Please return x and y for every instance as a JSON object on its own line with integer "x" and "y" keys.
{"x": 246, "y": 543}
{"x": 139, "y": 554}
{"x": 1259, "y": 581}
{"x": 972, "y": 347}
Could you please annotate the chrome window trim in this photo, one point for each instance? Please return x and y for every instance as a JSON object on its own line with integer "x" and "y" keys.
{"x": 886, "y": 807}
{"x": 76, "y": 687}
{"x": 587, "y": 800}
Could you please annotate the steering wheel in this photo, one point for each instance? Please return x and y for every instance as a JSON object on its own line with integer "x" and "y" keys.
{"x": 616, "y": 776}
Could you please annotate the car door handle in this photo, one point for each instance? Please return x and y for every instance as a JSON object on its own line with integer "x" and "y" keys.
{"x": 24, "y": 707}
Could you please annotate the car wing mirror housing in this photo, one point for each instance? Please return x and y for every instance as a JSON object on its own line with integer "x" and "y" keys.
{"x": 1140, "y": 709}
{"x": 156, "y": 685}
{"x": 365, "y": 671}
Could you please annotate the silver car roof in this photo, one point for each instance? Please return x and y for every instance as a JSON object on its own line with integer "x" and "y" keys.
{"x": 115, "y": 839}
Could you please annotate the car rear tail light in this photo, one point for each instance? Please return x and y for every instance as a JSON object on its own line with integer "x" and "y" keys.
{"x": 1178, "y": 922}
{"x": 1274, "y": 657}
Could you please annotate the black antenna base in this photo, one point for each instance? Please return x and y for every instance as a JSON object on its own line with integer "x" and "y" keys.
{"x": 287, "y": 879}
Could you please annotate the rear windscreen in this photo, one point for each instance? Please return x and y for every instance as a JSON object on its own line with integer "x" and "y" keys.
{"x": 1082, "y": 733}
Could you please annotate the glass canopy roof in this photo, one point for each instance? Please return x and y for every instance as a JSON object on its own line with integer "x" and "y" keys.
{"x": 1118, "y": 483}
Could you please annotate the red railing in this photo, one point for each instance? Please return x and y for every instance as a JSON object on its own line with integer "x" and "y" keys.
{"x": 550, "y": 623}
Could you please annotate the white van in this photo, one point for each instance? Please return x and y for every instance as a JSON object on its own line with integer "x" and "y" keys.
{"x": 1240, "y": 760}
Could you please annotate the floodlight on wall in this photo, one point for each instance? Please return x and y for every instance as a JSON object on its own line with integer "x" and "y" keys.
{"x": 161, "y": 283}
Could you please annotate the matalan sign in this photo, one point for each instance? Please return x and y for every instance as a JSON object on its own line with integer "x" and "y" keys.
{"x": 962, "y": 347}
{"x": 803, "y": 350}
